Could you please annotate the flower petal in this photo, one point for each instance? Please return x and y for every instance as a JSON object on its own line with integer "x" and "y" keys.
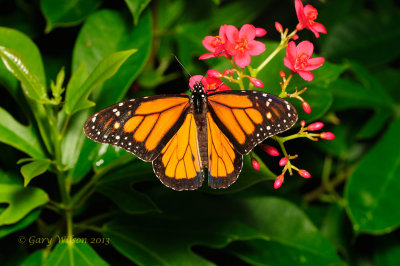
{"x": 308, "y": 76}
{"x": 207, "y": 42}
{"x": 314, "y": 63}
{"x": 256, "y": 47}
{"x": 319, "y": 27}
{"x": 291, "y": 51}
{"x": 288, "y": 64}
{"x": 206, "y": 56}
{"x": 242, "y": 59}
{"x": 232, "y": 33}
{"x": 195, "y": 79}
{"x": 260, "y": 32}
{"x": 300, "y": 13}
{"x": 305, "y": 47}
{"x": 248, "y": 32}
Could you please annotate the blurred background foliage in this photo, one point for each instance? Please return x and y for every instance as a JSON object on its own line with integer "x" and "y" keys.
{"x": 113, "y": 50}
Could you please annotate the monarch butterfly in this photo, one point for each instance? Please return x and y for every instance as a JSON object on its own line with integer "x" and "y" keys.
{"x": 182, "y": 135}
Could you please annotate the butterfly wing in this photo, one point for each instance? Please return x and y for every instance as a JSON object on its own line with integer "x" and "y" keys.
{"x": 249, "y": 117}
{"x": 142, "y": 126}
{"x": 224, "y": 161}
{"x": 179, "y": 164}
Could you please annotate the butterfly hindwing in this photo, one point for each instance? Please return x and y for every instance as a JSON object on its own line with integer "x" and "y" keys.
{"x": 142, "y": 126}
{"x": 249, "y": 117}
{"x": 224, "y": 161}
{"x": 179, "y": 164}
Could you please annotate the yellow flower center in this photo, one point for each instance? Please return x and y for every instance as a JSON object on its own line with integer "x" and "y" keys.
{"x": 302, "y": 61}
{"x": 217, "y": 41}
{"x": 241, "y": 45}
{"x": 311, "y": 15}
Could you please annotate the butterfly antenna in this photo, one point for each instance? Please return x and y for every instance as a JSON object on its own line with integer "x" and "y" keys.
{"x": 182, "y": 65}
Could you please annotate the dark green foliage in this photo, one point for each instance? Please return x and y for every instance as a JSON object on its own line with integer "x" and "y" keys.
{"x": 60, "y": 184}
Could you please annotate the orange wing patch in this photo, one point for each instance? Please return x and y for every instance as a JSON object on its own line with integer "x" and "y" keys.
{"x": 179, "y": 165}
{"x": 224, "y": 162}
{"x": 141, "y": 126}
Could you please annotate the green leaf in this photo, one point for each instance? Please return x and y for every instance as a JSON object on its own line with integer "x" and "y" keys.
{"x": 108, "y": 31}
{"x": 118, "y": 187}
{"x": 67, "y": 13}
{"x": 16, "y": 40}
{"x": 36, "y": 258}
{"x": 20, "y": 202}
{"x": 216, "y": 221}
{"x": 374, "y": 184}
{"x": 377, "y": 46}
{"x": 24, "y": 222}
{"x": 34, "y": 169}
{"x": 74, "y": 254}
{"x": 77, "y": 99}
{"x": 19, "y": 136}
{"x": 31, "y": 85}
{"x": 387, "y": 251}
{"x": 137, "y": 7}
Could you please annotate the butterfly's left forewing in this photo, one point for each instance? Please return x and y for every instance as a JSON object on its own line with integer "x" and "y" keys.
{"x": 142, "y": 126}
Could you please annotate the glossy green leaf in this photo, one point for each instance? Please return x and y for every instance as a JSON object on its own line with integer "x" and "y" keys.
{"x": 215, "y": 222}
{"x": 373, "y": 185}
{"x": 21, "y": 201}
{"x": 19, "y": 136}
{"x": 118, "y": 187}
{"x": 18, "y": 41}
{"x": 24, "y": 222}
{"x": 77, "y": 99}
{"x": 34, "y": 169}
{"x": 67, "y": 13}
{"x": 78, "y": 253}
{"x": 36, "y": 258}
{"x": 31, "y": 85}
{"x": 377, "y": 46}
{"x": 105, "y": 32}
{"x": 108, "y": 31}
{"x": 137, "y": 7}
{"x": 387, "y": 251}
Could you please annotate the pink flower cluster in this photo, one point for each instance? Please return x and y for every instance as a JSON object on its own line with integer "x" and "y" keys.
{"x": 232, "y": 42}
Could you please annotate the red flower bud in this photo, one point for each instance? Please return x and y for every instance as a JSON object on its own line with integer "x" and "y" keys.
{"x": 260, "y": 32}
{"x": 283, "y": 161}
{"x": 278, "y": 181}
{"x": 255, "y": 164}
{"x": 302, "y": 123}
{"x": 315, "y": 126}
{"x": 304, "y": 173}
{"x": 229, "y": 72}
{"x": 282, "y": 74}
{"x": 327, "y": 135}
{"x": 256, "y": 82}
{"x": 306, "y": 107}
{"x": 270, "y": 150}
{"x": 278, "y": 27}
{"x": 214, "y": 73}
{"x": 295, "y": 37}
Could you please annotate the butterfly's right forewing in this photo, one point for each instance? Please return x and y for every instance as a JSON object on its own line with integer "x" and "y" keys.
{"x": 142, "y": 126}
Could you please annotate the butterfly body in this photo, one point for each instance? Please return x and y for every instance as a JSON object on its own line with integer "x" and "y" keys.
{"x": 184, "y": 135}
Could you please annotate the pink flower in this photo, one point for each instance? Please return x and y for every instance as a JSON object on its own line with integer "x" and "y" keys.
{"x": 216, "y": 44}
{"x": 211, "y": 84}
{"x": 241, "y": 44}
{"x": 283, "y": 161}
{"x": 298, "y": 59}
{"x": 260, "y": 32}
{"x": 304, "y": 173}
{"x": 315, "y": 126}
{"x": 256, "y": 82}
{"x": 307, "y": 16}
{"x": 306, "y": 107}
{"x": 327, "y": 135}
